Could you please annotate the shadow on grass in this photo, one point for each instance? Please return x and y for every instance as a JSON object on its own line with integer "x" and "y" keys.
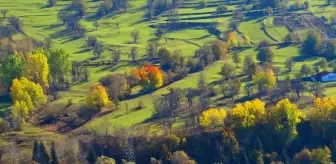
{"x": 83, "y": 51}
{"x": 302, "y": 58}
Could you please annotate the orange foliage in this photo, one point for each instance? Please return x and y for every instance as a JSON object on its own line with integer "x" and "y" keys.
{"x": 149, "y": 75}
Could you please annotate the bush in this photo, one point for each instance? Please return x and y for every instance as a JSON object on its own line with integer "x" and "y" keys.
{"x": 203, "y": 4}
{"x": 214, "y": 91}
{"x": 221, "y": 9}
{"x": 263, "y": 43}
{"x": 195, "y": 65}
{"x": 2, "y": 125}
{"x": 140, "y": 105}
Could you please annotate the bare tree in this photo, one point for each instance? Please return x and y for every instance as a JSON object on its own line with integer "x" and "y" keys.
{"x": 134, "y": 53}
{"x": 98, "y": 49}
{"x": 96, "y": 25}
{"x": 135, "y": 35}
{"x": 4, "y": 12}
{"x": 47, "y": 43}
{"x": 116, "y": 56}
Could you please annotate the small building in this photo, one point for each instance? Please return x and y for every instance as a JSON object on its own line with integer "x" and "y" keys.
{"x": 325, "y": 76}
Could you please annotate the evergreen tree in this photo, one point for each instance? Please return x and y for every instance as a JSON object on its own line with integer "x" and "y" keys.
{"x": 245, "y": 159}
{"x": 53, "y": 155}
{"x": 285, "y": 157}
{"x": 91, "y": 157}
{"x": 36, "y": 152}
{"x": 44, "y": 157}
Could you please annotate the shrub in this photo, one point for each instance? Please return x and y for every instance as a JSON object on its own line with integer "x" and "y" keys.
{"x": 203, "y": 4}
{"x": 263, "y": 43}
{"x": 221, "y": 9}
{"x": 2, "y": 125}
{"x": 214, "y": 91}
{"x": 140, "y": 105}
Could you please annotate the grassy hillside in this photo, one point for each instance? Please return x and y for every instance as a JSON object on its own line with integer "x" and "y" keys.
{"x": 40, "y": 21}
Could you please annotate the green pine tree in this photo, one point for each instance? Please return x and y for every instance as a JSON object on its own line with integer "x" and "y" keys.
{"x": 285, "y": 157}
{"x": 54, "y": 159}
{"x": 44, "y": 157}
{"x": 91, "y": 157}
{"x": 36, "y": 152}
{"x": 244, "y": 156}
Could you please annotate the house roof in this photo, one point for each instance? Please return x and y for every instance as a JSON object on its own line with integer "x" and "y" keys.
{"x": 323, "y": 73}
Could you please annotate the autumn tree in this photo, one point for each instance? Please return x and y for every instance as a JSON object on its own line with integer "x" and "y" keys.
{"x": 116, "y": 85}
{"x": 212, "y": 118}
{"x": 264, "y": 80}
{"x": 265, "y": 54}
{"x": 180, "y": 157}
{"x": 36, "y": 68}
{"x": 248, "y": 114}
{"x": 227, "y": 71}
{"x": 60, "y": 66}
{"x": 315, "y": 156}
{"x": 105, "y": 160}
{"x": 285, "y": 116}
{"x": 150, "y": 76}
{"x": 97, "y": 98}
{"x": 25, "y": 96}
{"x": 232, "y": 40}
{"x": 322, "y": 114}
{"x": 219, "y": 49}
{"x": 236, "y": 58}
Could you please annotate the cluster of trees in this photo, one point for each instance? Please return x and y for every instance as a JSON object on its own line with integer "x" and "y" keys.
{"x": 252, "y": 132}
{"x": 315, "y": 44}
{"x": 149, "y": 76}
{"x": 108, "y": 6}
{"x": 71, "y": 16}
{"x": 30, "y": 78}
{"x": 15, "y": 26}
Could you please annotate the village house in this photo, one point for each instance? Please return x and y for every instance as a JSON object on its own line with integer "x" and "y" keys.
{"x": 325, "y": 76}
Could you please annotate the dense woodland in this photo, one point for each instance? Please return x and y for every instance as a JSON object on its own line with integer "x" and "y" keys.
{"x": 264, "y": 123}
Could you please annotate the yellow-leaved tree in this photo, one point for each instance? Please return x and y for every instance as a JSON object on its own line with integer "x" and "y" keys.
{"x": 285, "y": 115}
{"x": 322, "y": 117}
{"x": 248, "y": 114}
{"x": 232, "y": 40}
{"x": 36, "y": 68}
{"x": 26, "y": 95}
{"x": 97, "y": 97}
{"x": 212, "y": 118}
{"x": 264, "y": 80}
